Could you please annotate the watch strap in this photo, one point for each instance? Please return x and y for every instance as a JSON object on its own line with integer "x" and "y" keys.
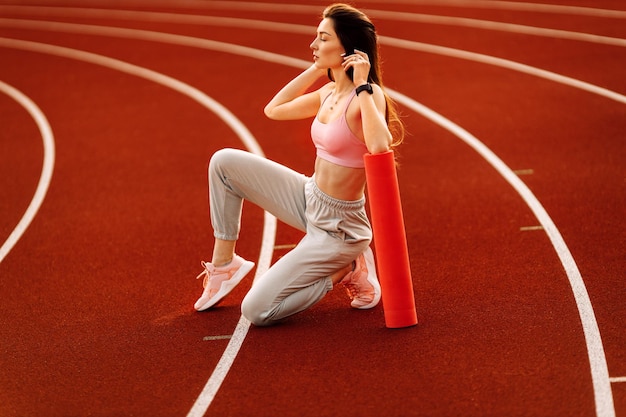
{"x": 365, "y": 87}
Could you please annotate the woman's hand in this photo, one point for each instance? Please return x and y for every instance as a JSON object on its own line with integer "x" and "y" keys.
{"x": 321, "y": 72}
{"x": 360, "y": 63}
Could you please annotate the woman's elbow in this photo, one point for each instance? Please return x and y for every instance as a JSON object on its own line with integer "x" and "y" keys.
{"x": 378, "y": 149}
{"x": 268, "y": 111}
{"x": 274, "y": 113}
{"x": 380, "y": 146}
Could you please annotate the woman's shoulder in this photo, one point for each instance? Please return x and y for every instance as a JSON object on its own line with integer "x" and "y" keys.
{"x": 379, "y": 96}
{"x": 377, "y": 88}
{"x": 325, "y": 90}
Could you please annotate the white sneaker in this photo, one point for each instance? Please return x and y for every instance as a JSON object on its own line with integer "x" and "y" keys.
{"x": 219, "y": 281}
{"x": 362, "y": 283}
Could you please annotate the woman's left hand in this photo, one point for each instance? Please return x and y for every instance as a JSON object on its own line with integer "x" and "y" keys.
{"x": 360, "y": 63}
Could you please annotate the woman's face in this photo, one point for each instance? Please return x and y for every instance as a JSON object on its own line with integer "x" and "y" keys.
{"x": 327, "y": 49}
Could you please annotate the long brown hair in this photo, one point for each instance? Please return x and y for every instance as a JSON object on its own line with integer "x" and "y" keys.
{"x": 356, "y": 31}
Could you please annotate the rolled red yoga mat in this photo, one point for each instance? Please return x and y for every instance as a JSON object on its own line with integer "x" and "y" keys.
{"x": 392, "y": 255}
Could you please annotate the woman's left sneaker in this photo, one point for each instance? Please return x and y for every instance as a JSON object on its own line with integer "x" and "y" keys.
{"x": 362, "y": 283}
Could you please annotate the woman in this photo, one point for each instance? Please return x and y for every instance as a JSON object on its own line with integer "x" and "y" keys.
{"x": 352, "y": 117}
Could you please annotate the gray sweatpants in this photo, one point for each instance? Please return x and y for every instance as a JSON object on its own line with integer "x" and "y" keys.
{"x": 337, "y": 231}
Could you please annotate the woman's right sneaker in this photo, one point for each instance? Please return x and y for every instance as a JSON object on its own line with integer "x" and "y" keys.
{"x": 219, "y": 281}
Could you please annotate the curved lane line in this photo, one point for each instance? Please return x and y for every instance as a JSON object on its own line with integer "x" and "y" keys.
{"x": 270, "y": 222}
{"x": 591, "y": 331}
{"x": 222, "y": 112}
{"x": 497, "y": 26}
{"x": 479, "y": 4}
{"x": 520, "y": 6}
{"x": 46, "y": 171}
{"x": 505, "y": 63}
{"x": 206, "y": 396}
{"x": 599, "y": 369}
{"x": 302, "y": 29}
{"x": 377, "y": 14}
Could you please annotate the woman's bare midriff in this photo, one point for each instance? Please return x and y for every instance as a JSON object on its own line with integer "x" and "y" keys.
{"x": 339, "y": 182}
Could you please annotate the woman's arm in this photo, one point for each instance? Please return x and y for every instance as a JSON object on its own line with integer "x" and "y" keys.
{"x": 291, "y": 102}
{"x": 376, "y": 133}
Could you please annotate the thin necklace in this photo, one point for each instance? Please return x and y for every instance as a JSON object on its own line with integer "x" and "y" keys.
{"x": 332, "y": 106}
{"x": 334, "y": 95}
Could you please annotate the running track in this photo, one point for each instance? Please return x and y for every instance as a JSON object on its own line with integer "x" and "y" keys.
{"x": 512, "y": 182}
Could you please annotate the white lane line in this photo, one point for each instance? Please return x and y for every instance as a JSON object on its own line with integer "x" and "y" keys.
{"x": 504, "y": 63}
{"x": 298, "y": 8}
{"x": 270, "y": 223}
{"x": 520, "y": 6}
{"x": 218, "y": 337}
{"x": 284, "y": 60}
{"x": 529, "y": 171}
{"x": 46, "y": 171}
{"x": 595, "y": 350}
{"x": 153, "y": 36}
{"x": 285, "y": 246}
{"x": 530, "y": 228}
{"x": 377, "y": 14}
{"x": 618, "y": 379}
{"x": 222, "y": 112}
{"x": 497, "y": 26}
{"x": 214, "y": 383}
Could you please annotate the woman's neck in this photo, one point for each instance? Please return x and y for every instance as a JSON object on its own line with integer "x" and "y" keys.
{"x": 342, "y": 81}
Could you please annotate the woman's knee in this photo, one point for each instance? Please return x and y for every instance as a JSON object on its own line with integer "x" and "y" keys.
{"x": 221, "y": 158}
{"x": 255, "y": 311}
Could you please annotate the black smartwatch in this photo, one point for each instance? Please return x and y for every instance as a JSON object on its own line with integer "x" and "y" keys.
{"x": 365, "y": 87}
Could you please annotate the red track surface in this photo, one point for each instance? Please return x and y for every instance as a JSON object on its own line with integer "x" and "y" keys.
{"x": 96, "y": 313}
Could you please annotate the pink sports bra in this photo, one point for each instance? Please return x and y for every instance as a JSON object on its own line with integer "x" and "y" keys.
{"x": 336, "y": 143}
